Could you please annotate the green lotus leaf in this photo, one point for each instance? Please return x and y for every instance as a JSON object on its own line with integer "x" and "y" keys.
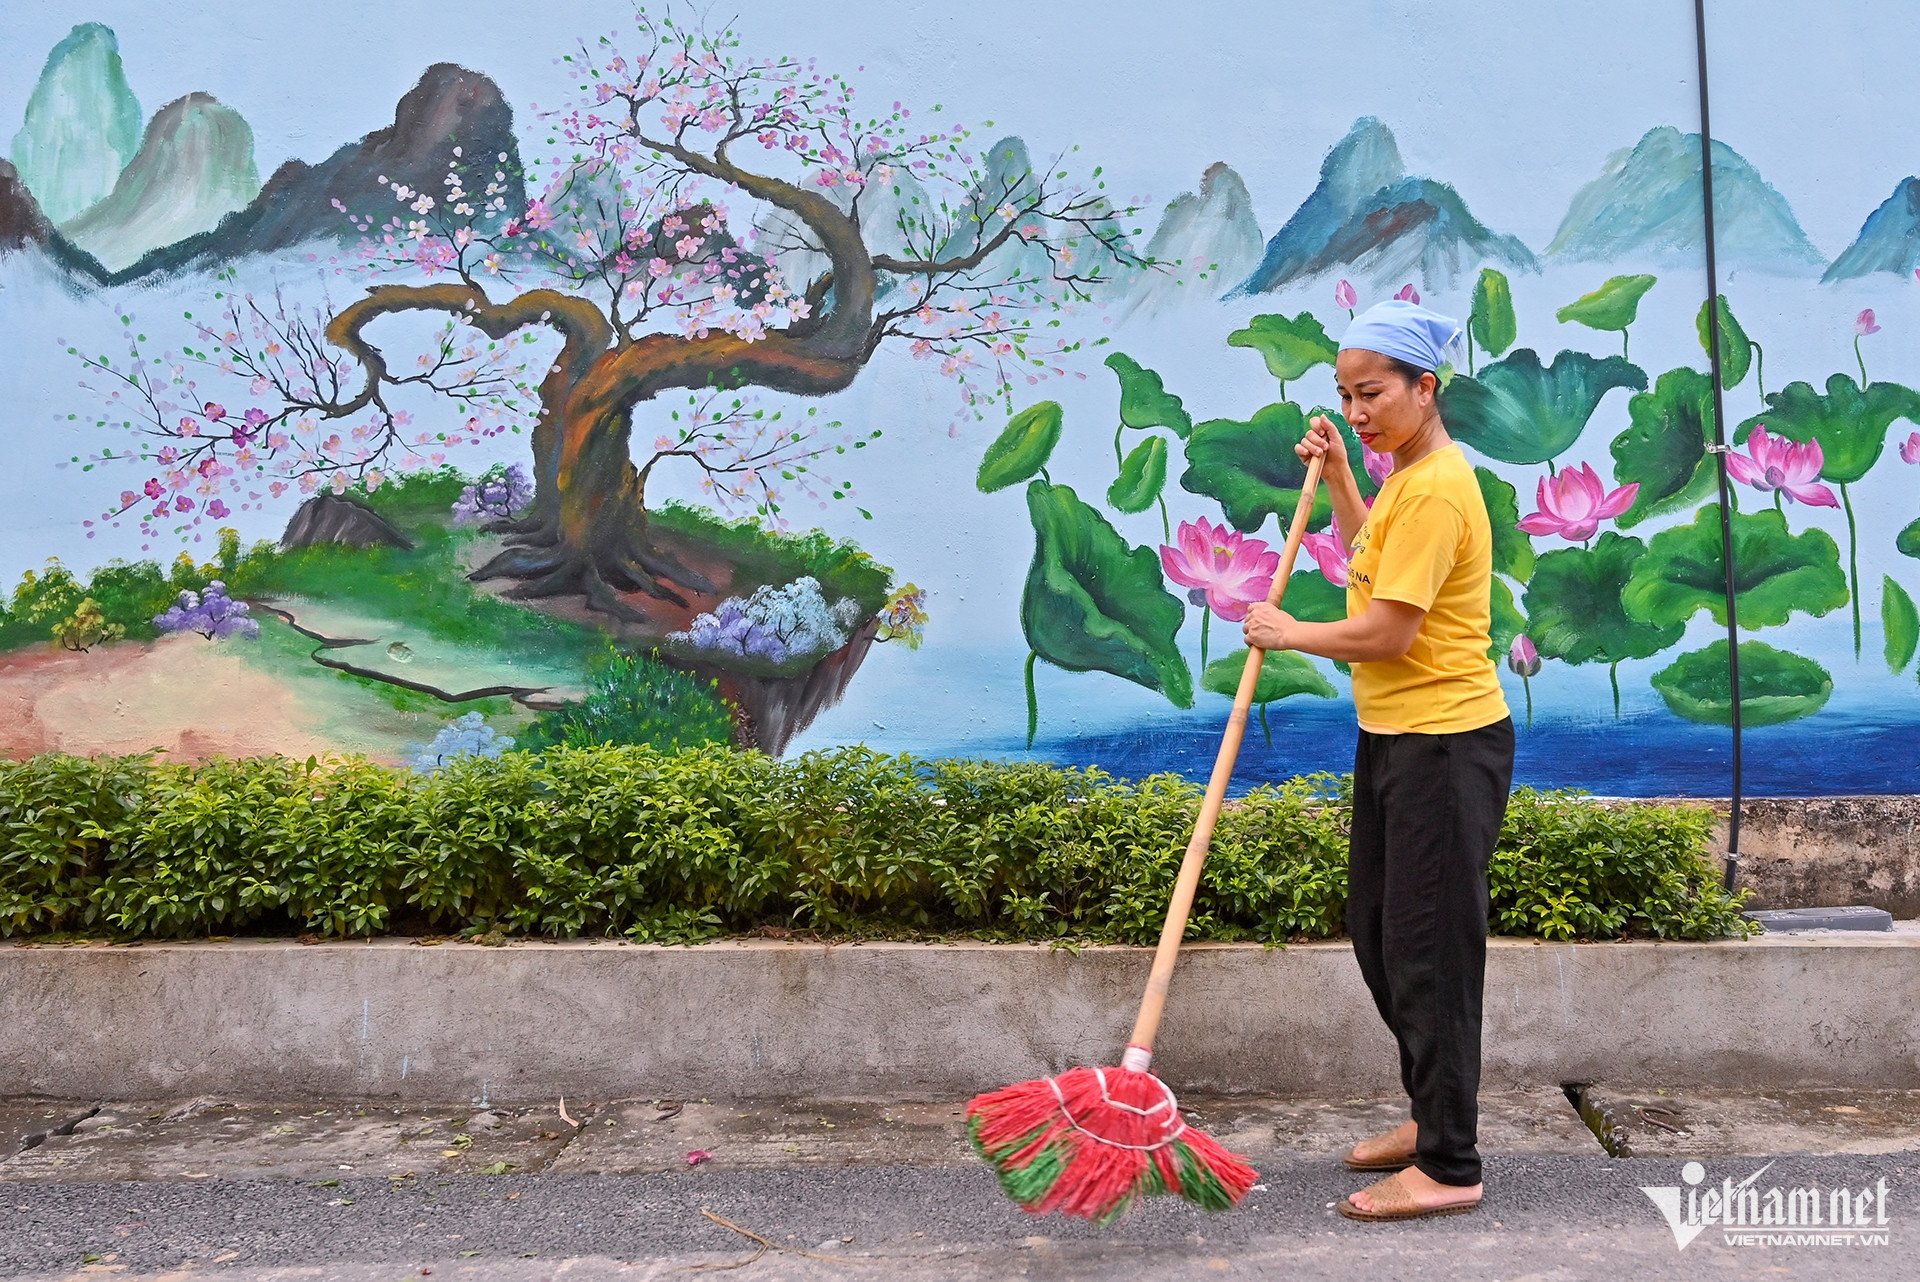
{"x": 1282, "y": 673}
{"x": 1664, "y": 448}
{"x": 1775, "y": 686}
{"x": 1144, "y": 399}
{"x": 1290, "y": 347}
{"x": 1143, "y": 473}
{"x": 1907, "y": 542}
{"x": 1093, "y": 604}
{"x": 1507, "y": 620}
{"x": 1519, "y": 412}
{"x": 1775, "y": 573}
{"x": 1613, "y": 306}
{"x": 1851, "y": 425}
{"x": 1736, "y": 349}
{"x": 1512, "y": 548}
{"x": 1022, "y": 448}
{"x": 1250, "y": 466}
{"x": 1310, "y": 597}
{"x": 1901, "y": 623}
{"x": 1574, "y": 608}
{"x": 1492, "y": 321}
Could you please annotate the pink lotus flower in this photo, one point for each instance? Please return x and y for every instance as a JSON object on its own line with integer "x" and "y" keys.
{"x": 1574, "y": 503}
{"x": 1523, "y": 657}
{"x": 1864, "y": 324}
{"x": 1910, "y": 448}
{"x": 1343, "y": 295}
{"x": 1379, "y": 466}
{"x": 1327, "y": 553}
{"x": 1779, "y": 465}
{"x": 1225, "y": 570}
{"x": 1408, "y": 294}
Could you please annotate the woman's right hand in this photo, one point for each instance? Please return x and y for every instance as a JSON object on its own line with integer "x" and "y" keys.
{"x": 1323, "y": 441}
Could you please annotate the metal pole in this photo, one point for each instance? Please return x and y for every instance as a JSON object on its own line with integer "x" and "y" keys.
{"x": 1719, "y": 447}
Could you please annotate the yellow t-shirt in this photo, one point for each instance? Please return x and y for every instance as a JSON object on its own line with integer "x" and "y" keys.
{"x": 1427, "y": 542}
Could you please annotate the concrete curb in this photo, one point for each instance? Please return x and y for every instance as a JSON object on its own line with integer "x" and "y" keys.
{"x": 746, "y": 1019}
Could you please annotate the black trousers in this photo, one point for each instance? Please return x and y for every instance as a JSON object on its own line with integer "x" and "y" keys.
{"x": 1426, "y": 814}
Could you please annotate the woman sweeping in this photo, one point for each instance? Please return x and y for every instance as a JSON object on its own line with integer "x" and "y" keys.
{"x": 1434, "y": 761}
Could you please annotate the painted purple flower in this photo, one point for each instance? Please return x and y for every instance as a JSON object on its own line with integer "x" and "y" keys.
{"x": 1225, "y": 570}
{"x": 1910, "y": 448}
{"x": 1343, "y": 295}
{"x": 218, "y": 510}
{"x": 1327, "y": 553}
{"x": 1864, "y": 324}
{"x": 216, "y": 411}
{"x": 1775, "y": 464}
{"x": 1408, "y": 294}
{"x": 1574, "y": 503}
{"x": 1523, "y": 658}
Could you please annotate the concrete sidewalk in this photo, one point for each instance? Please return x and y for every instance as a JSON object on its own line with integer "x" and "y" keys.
{"x": 849, "y": 1189}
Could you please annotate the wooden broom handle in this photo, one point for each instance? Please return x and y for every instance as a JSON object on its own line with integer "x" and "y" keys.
{"x": 1154, "y": 1004}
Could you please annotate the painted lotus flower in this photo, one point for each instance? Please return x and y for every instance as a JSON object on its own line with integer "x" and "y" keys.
{"x": 1223, "y": 569}
{"x": 1523, "y": 657}
{"x": 1910, "y": 448}
{"x": 1408, "y": 294}
{"x": 1343, "y": 295}
{"x": 1775, "y": 464}
{"x": 1865, "y": 324}
{"x": 1574, "y": 503}
{"x": 1379, "y": 466}
{"x": 1327, "y": 553}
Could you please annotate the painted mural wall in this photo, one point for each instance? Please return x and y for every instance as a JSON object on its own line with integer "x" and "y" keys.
{"x": 927, "y": 377}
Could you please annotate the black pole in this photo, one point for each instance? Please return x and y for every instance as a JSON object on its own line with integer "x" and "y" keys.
{"x": 1719, "y": 448}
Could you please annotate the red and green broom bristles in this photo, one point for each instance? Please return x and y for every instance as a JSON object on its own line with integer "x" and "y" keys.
{"x": 1092, "y": 1142}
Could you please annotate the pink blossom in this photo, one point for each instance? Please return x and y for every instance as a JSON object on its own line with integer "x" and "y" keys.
{"x": 1574, "y": 503}
{"x": 1523, "y": 658}
{"x": 1226, "y": 570}
{"x": 538, "y": 216}
{"x": 1408, "y": 294}
{"x": 217, "y": 510}
{"x": 152, "y": 488}
{"x": 1379, "y": 466}
{"x": 1910, "y": 448}
{"x": 1327, "y": 553}
{"x": 1864, "y": 323}
{"x": 183, "y": 504}
{"x": 1343, "y": 295}
{"x": 1780, "y": 465}
{"x": 216, "y": 411}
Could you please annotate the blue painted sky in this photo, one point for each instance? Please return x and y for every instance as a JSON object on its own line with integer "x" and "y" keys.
{"x": 1517, "y": 112}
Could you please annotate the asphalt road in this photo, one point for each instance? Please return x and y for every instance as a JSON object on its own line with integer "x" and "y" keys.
{"x": 1546, "y": 1218}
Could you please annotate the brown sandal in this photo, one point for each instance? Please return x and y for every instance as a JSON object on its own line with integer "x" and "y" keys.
{"x": 1396, "y": 1162}
{"x": 1391, "y": 1201}
{"x": 1354, "y": 1163}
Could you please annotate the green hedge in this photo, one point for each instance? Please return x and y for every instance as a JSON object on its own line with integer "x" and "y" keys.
{"x": 687, "y": 845}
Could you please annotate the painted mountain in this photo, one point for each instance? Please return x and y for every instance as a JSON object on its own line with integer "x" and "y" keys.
{"x": 1008, "y": 177}
{"x": 194, "y": 167}
{"x": 1205, "y": 239}
{"x": 1645, "y": 207}
{"x": 1890, "y": 240}
{"x": 1368, "y": 218}
{"x": 21, "y": 221}
{"x": 785, "y": 241}
{"x": 450, "y": 107}
{"x": 82, "y": 125}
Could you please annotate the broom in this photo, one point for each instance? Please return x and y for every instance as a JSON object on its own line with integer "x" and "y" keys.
{"x": 1093, "y": 1141}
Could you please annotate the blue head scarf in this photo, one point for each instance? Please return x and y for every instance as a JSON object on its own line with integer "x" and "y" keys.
{"x": 1406, "y": 331}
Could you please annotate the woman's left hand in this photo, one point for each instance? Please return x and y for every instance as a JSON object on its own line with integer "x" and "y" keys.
{"x": 1266, "y": 627}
